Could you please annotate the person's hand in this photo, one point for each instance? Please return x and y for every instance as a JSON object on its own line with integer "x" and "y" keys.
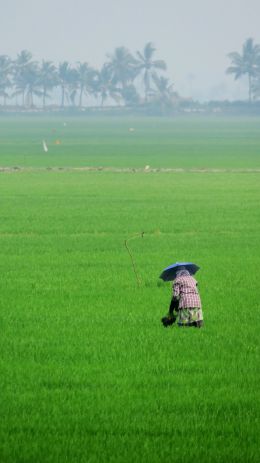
{"x": 168, "y": 321}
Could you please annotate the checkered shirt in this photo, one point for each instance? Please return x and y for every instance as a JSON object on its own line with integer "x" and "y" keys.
{"x": 185, "y": 289}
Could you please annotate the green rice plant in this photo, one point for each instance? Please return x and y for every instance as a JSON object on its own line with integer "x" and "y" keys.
{"x": 88, "y": 374}
{"x": 179, "y": 143}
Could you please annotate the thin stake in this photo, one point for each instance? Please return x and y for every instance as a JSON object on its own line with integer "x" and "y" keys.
{"x": 138, "y": 279}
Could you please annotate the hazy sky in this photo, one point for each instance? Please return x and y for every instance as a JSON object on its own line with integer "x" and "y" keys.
{"x": 193, "y": 36}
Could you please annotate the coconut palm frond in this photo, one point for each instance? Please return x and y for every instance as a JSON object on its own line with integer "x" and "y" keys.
{"x": 246, "y": 63}
{"x": 234, "y": 70}
{"x": 122, "y": 66}
{"x": 147, "y": 65}
{"x": 160, "y": 64}
{"x": 149, "y": 50}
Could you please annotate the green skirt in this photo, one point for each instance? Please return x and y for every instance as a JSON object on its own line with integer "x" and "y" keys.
{"x": 188, "y": 315}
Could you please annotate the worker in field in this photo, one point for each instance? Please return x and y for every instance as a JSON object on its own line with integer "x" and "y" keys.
{"x": 185, "y": 307}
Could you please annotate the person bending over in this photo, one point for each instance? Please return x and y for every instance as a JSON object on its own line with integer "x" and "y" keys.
{"x": 185, "y": 305}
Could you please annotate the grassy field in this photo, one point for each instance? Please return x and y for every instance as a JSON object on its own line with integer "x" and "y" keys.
{"x": 184, "y": 142}
{"x": 88, "y": 374}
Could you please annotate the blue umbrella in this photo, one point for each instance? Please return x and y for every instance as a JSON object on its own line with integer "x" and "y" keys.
{"x": 169, "y": 273}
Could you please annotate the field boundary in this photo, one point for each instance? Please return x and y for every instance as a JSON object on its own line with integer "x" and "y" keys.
{"x": 14, "y": 169}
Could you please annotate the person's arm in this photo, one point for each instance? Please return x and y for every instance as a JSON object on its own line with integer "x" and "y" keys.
{"x": 174, "y": 305}
{"x": 172, "y": 313}
{"x": 176, "y": 290}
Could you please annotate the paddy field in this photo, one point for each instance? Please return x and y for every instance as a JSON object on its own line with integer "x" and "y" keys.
{"x": 88, "y": 374}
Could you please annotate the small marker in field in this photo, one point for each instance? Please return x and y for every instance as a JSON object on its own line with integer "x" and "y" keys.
{"x": 45, "y": 147}
{"x": 131, "y": 129}
{"x": 147, "y": 167}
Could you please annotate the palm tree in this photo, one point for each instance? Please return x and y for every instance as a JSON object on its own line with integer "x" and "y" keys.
{"x": 28, "y": 84}
{"x": 164, "y": 90}
{"x": 105, "y": 85}
{"x": 23, "y": 58}
{"x": 73, "y": 84}
{"x": 248, "y": 63}
{"x": 67, "y": 78}
{"x": 5, "y": 76}
{"x": 148, "y": 65}
{"x": 256, "y": 87}
{"x": 83, "y": 79}
{"x": 123, "y": 67}
{"x": 22, "y": 62}
{"x": 48, "y": 78}
{"x": 87, "y": 78}
{"x": 130, "y": 95}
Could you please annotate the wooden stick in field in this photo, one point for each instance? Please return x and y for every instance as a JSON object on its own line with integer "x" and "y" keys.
{"x": 138, "y": 279}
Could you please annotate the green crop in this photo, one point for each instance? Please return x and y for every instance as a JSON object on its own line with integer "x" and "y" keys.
{"x": 88, "y": 374}
{"x": 184, "y": 142}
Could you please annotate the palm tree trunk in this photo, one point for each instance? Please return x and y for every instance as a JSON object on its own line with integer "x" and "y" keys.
{"x": 62, "y": 96}
{"x": 146, "y": 95}
{"x": 249, "y": 88}
{"x": 30, "y": 99}
{"x": 146, "y": 86}
{"x": 80, "y": 96}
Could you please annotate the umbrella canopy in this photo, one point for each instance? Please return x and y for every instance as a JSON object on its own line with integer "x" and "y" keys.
{"x": 169, "y": 273}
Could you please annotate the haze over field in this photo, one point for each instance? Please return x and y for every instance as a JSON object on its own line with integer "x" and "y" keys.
{"x": 193, "y": 38}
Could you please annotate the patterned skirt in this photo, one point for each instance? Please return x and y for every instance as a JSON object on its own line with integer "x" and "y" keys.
{"x": 187, "y": 316}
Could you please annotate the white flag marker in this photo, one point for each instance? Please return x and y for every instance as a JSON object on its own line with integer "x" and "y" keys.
{"x": 45, "y": 147}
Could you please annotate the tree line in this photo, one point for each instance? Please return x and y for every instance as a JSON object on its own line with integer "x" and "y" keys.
{"x": 23, "y": 79}
{"x": 131, "y": 79}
